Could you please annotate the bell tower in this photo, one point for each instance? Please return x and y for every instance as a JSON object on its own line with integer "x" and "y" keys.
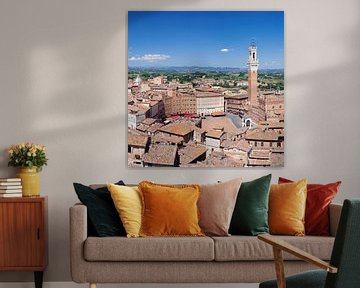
{"x": 253, "y": 65}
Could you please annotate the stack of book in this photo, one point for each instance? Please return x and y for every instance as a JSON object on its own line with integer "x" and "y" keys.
{"x": 10, "y": 187}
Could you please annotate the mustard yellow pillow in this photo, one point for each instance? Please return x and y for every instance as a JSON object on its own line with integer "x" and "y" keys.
{"x": 127, "y": 201}
{"x": 287, "y": 204}
{"x": 169, "y": 210}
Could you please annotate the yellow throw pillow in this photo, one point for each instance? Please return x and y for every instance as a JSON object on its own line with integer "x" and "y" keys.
{"x": 127, "y": 201}
{"x": 169, "y": 210}
{"x": 287, "y": 204}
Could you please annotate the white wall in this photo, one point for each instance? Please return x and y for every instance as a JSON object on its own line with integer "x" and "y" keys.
{"x": 63, "y": 83}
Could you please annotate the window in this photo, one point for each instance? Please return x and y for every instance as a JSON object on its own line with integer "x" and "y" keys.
{"x": 278, "y": 144}
{"x": 262, "y": 144}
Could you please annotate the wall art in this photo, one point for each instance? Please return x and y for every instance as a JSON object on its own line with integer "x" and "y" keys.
{"x": 205, "y": 88}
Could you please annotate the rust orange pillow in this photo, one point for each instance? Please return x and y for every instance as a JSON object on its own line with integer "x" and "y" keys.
{"x": 319, "y": 197}
{"x": 169, "y": 210}
{"x": 287, "y": 204}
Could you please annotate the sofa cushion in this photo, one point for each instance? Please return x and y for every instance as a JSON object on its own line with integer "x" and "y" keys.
{"x": 216, "y": 206}
{"x": 244, "y": 248}
{"x": 169, "y": 210}
{"x": 318, "y": 199}
{"x": 127, "y": 201}
{"x": 287, "y": 204}
{"x": 102, "y": 216}
{"x": 250, "y": 216}
{"x": 149, "y": 249}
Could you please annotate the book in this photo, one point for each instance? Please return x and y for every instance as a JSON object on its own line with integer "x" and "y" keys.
{"x": 10, "y": 187}
{"x": 10, "y": 183}
{"x": 2, "y": 195}
{"x": 10, "y": 180}
{"x": 10, "y": 191}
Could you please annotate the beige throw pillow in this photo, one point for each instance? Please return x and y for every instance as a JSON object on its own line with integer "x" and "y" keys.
{"x": 216, "y": 206}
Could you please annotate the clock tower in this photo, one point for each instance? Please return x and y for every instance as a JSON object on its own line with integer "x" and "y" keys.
{"x": 253, "y": 65}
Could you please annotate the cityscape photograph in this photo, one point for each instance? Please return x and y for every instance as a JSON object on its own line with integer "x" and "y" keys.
{"x": 205, "y": 89}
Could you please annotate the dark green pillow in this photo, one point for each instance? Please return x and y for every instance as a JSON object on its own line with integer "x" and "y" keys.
{"x": 103, "y": 218}
{"x": 250, "y": 216}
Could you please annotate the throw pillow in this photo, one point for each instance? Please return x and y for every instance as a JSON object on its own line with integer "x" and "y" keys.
{"x": 102, "y": 214}
{"x": 250, "y": 215}
{"x": 319, "y": 197}
{"x": 169, "y": 210}
{"x": 216, "y": 206}
{"x": 287, "y": 204}
{"x": 128, "y": 204}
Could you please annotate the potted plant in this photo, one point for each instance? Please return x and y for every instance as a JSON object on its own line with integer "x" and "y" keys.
{"x": 30, "y": 158}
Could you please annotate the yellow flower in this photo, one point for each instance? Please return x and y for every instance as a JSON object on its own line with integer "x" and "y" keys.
{"x": 28, "y": 154}
{"x": 11, "y": 151}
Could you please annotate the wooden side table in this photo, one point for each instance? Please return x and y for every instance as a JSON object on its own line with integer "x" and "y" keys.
{"x": 23, "y": 235}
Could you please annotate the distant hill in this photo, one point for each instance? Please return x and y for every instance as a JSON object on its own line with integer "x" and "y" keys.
{"x": 192, "y": 69}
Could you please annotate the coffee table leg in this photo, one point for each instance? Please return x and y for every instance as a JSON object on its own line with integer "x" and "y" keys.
{"x": 38, "y": 279}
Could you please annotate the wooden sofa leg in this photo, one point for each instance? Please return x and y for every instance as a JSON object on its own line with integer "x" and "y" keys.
{"x": 92, "y": 285}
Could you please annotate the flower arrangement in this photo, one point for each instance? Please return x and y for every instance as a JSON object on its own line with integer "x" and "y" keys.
{"x": 27, "y": 155}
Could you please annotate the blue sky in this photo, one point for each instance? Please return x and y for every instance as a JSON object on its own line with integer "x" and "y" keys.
{"x": 205, "y": 38}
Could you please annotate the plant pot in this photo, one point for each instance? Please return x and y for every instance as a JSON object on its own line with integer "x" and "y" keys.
{"x": 30, "y": 181}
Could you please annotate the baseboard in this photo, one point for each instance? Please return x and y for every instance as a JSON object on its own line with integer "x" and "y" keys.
{"x": 74, "y": 285}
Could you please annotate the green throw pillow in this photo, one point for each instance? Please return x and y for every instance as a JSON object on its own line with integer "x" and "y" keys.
{"x": 250, "y": 216}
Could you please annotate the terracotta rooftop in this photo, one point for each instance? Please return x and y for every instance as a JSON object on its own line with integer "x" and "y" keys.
{"x": 218, "y": 159}
{"x": 215, "y": 122}
{"x": 219, "y": 113}
{"x": 200, "y": 94}
{"x": 161, "y": 155}
{"x": 261, "y": 135}
{"x": 181, "y": 128}
{"x": 137, "y": 140}
{"x": 260, "y": 154}
{"x": 148, "y": 121}
{"x": 272, "y": 124}
{"x": 154, "y": 127}
{"x": 142, "y": 127}
{"x": 236, "y": 96}
{"x": 242, "y": 145}
{"x": 259, "y": 162}
{"x": 165, "y": 138}
{"x": 277, "y": 159}
{"x": 191, "y": 152}
{"x": 214, "y": 134}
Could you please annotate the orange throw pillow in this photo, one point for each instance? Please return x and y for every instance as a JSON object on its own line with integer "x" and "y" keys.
{"x": 169, "y": 210}
{"x": 287, "y": 204}
{"x": 318, "y": 200}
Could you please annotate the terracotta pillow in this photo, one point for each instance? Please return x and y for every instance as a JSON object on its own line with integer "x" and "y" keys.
{"x": 216, "y": 206}
{"x": 318, "y": 200}
{"x": 287, "y": 204}
{"x": 169, "y": 210}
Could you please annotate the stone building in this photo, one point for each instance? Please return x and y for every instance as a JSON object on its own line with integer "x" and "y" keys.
{"x": 208, "y": 102}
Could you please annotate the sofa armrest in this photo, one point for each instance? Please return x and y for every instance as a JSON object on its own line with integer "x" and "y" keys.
{"x": 334, "y": 217}
{"x": 78, "y": 235}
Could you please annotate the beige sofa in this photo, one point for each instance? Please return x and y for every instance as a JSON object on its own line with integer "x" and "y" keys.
{"x": 234, "y": 259}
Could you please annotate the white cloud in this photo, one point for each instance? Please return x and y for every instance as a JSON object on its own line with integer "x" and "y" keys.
{"x": 225, "y": 50}
{"x": 150, "y": 57}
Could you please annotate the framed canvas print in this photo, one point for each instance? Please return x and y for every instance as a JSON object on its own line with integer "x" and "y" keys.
{"x": 205, "y": 88}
